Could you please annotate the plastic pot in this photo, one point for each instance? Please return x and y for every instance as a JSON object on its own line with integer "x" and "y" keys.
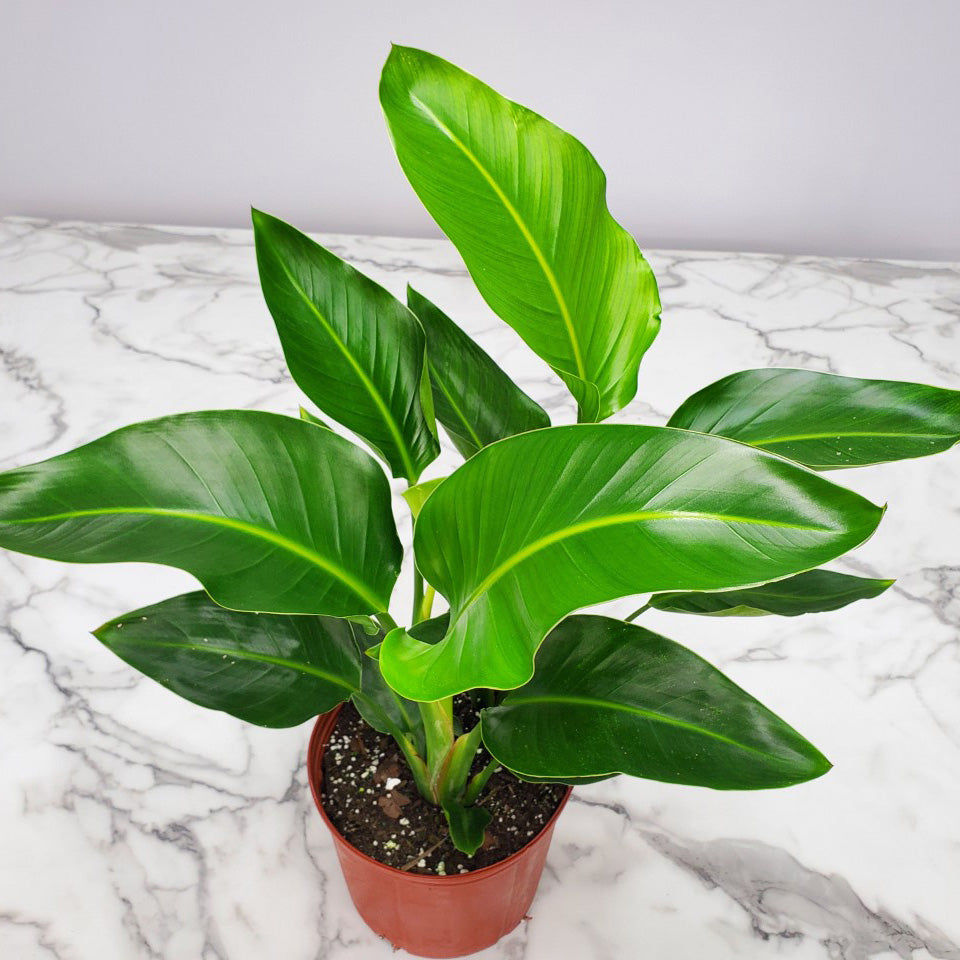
{"x": 434, "y": 916}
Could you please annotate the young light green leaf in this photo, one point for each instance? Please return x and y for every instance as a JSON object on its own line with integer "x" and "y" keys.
{"x": 352, "y": 347}
{"x": 416, "y": 496}
{"x": 524, "y": 203}
{"x": 275, "y": 671}
{"x": 541, "y": 524}
{"x": 306, "y": 415}
{"x": 476, "y": 402}
{"x": 815, "y": 591}
{"x": 825, "y": 421}
{"x": 210, "y": 493}
{"x": 611, "y": 697}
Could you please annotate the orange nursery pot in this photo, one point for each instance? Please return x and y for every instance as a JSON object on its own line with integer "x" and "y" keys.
{"x": 434, "y": 916}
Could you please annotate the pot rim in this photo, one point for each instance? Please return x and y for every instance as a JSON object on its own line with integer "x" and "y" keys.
{"x": 474, "y": 876}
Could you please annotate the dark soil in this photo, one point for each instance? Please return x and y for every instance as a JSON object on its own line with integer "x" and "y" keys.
{"x": 371, "y": 799}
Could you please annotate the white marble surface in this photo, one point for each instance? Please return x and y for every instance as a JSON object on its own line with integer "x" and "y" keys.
{"x": 135, "y": 825}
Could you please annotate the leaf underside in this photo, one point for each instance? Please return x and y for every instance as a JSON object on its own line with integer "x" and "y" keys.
{"x": 816, "y": 591}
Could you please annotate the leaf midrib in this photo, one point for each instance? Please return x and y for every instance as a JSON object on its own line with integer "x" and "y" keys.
{"x": 438, "y": 379}
{"x": 850, "y": 433}
{"x": 614, "y": 705}
{"x": 260, "y": 533}
{"x": 521, "y": 226}
{"x": 114, "y": 640}
{"x": 388, "y": 419}
{"x": 612, "y": 520}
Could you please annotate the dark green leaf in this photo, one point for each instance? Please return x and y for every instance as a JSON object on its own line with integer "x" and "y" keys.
{"x": 243, "y": 500}
{"x": 815, "y": 591}
{"x": 541, "y": 524}
{"x": 825, "y": 421}
{"x": 475, "y": 400}
{"x": 525, "y": 205}
{"x": 380, "y": 706}
{"x": 611, "y": 697}
{"x": 275, "y": 671}
{"x": 467, "y": 825}
{"x": 353, "y": 348}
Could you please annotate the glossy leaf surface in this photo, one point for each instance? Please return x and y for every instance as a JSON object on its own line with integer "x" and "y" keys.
{"x": 352, "y": 347}
{"x": 609, "y": 696}
{"x": 243, "y": 500}
{"x": 815, "y": 591}
{"x": 275, "y": 671}
{"x": 524, "y": 203}
{"x": 541, "y": 524}
{"x": 825, "y": 421}
{"x": 476, "y": 402}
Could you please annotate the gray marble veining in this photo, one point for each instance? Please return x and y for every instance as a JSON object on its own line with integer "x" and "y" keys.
{"x": 135, "y": 825}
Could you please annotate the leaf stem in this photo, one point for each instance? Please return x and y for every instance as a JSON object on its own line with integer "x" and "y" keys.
{"x": 636, "y": 613}
{"x": 476, "y": 785}
{"x": 438, "y": 729}
{"x": 417, "y": 614}
{"x": 427, "y": 608}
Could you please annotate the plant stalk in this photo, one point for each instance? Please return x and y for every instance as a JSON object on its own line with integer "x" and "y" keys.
{"x": 478, "y": 782}
{"x": 636, "y": 613}
{"x": 417, "y": 614}
{"x": 438, "y": 728}
{"x": 427, "y": 606}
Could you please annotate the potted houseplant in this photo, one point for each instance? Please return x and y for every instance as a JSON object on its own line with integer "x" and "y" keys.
{"x": 288, "y": 527}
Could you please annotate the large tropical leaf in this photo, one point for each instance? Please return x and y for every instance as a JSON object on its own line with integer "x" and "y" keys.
{"x": 475, "y": 400}
{"x": 815, "y": 591}
{"x": 245, "y": 501}
{"x": 524, "y": 203}
{"x": 275, "y": 671}
{"x": 610, "y": 697}
{"x": 355, "y": 350}
{"x": 541, "y": 524}
{"x": 825, "y": 421}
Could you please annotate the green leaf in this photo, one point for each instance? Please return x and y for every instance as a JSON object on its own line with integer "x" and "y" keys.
{"x": 467, "y": 825}
{"x": 353, "y": 348}
{"x": 825, "y": 421}
{"x": 310, "y": 418}
{"x": 275, "y": 671}
{"x": 241, "y": 499}
{"x": 416, "y": 496}
{"x": 476, "y": 401}
{"x": 611, "y": 697}
{"x": 815, "y": 591}
{"x": 539, "y": 525}
{"x": 524, "y": 203}
{"x": 380, "y": 706}
{"x": 570, "y": 781}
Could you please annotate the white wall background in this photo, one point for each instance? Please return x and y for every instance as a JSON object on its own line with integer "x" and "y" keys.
{"x": 823, "y": 126}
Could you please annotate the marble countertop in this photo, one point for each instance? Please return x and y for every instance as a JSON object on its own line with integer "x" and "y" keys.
{"x": 136, "y": 825}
